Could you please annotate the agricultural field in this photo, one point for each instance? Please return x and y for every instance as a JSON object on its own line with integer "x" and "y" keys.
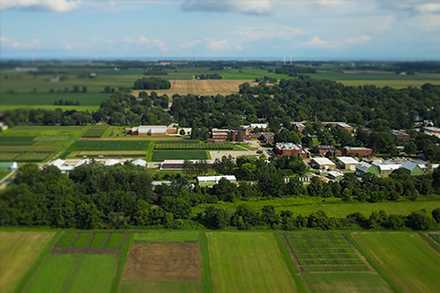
{"x": 164, "y": 261}
{"x": 328, "y": 262}
{"x": 193, "y": 146}
{"x": 36, "y": 143}
{"x": 18, "y": 252}
{"x": 404, "y": 259}
{"x": 161, "y": 155}
{"x": 435, "y": 237}
{"x": 201, "y": 87}
{"x": 332, "y": 206}
{"x": 95, "y": 131}
{"x": 108, "y": 148}
{"x": 248, "y": 262}
{"x": 79, "y": 262}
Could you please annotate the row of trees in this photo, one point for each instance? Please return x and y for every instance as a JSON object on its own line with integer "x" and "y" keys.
{"x": 206, "y": 76}
{"x": 152, "y": 83}
{"x": 245, "y": 218}
{"x": 95, "y": 196}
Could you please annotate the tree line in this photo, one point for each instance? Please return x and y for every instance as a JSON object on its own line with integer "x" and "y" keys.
{"x": 95, "y": 196}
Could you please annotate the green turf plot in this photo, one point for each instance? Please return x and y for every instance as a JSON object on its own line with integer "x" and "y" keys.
{"x": 193, "y": 146}
{"x": 404, "y": 259}
{"x": 248, "y": 262}
{"x": 96, "y": 145}
{"x": 162, "y": 155}
{"x": 95, "y": 131}
{"x": 435, "y": 236}
{"x": 73, "y": 273}
{"x": 324, "y": 251}
{"x": 16, "y": 140}
{"x": 346, "y": 282}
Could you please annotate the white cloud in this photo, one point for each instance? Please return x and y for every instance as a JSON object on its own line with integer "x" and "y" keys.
{"x": 318, "y": 42}
{"x": 257, "y": 7}
{"x": 222, "y": 45}
{"x": 429, "y": 8}
{"x": 144, "y": 42}
{"x": 51, "y": 5}
{"x": 8, "y": 43}
{"x": 270, "y": 32}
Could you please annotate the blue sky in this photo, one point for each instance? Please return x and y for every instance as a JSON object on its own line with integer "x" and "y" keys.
{"x": 303, "y": 29}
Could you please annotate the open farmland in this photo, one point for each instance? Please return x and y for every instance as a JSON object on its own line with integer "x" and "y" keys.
{"x": 404, "y": 259}
{"x": 36, "y": 143}
{"x": 95, "y": 131}
{"x": 193, "y": 146}
{"x": 18, "y": 252}
{"x": 201, "y": 87}
{"x": 109, "y": 148}
{"x": 165, "y": 261}
{"x": 329, "y": 263}
{"x": 247, "y": 262}
{"x": 161, "y": 155}
{"x": 79, "y": 262}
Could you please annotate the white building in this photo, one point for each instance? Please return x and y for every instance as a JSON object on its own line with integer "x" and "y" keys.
{"x": 212, "y": 180}
{"x": 140, "y": 163}
{"x": 66, "y": 166}
{"x": 347, "y": 163}
{"x": 322, "y": 163}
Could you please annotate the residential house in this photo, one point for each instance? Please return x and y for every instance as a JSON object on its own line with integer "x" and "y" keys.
{"x": 326, "y": 150}
{"x": 386, "y": 168}
{"x": 340, "y": 125}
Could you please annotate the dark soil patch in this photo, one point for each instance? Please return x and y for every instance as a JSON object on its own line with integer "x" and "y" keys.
{"x": 163, "y": 261}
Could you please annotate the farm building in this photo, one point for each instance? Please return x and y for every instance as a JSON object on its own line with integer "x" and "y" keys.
{"x": 267, "y": 138}
{"x": 386, "y": 168}
{"x": 8, "y": 166}
{"x": 322, "y": 163}
{"x": 290, "y": 150}
{"x": 212, "y": 180}
{"x": 359, "y": 152}
{"x": 252, "y": 126}
{"x": 326, "y": 150}
{"x": 432, "y": 131}
{"x": 335, "y": 175}
{"x": 347, "y": 163}
{"x": 67, "y": 166}
{"x": 140, "y": 163}
{"x": 415, "y": 168}
{"x": 220, "y": 134}
{"x": 340, "y": 125}
{"x": 3, "y": 126}
{"x": 365, "y": 168}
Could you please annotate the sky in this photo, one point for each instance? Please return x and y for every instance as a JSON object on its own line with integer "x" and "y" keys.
{"x": 246, "y": 29}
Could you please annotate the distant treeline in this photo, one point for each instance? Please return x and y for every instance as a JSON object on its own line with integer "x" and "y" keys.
{"x": 152, "y": 83}
{"x": 206, "y": 76}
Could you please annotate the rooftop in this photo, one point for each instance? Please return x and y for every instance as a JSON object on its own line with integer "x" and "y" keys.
{"x": 348, "y": 160}
{"x": 323, "y": 161}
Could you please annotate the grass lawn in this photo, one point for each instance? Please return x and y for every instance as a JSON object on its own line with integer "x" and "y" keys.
{"x": 18, "y": 252}
{"x": 333, "y": 206}
{"x": 406, "y": 260}
{"x": 247, "y": 262}
{"x": 161, "y": 155}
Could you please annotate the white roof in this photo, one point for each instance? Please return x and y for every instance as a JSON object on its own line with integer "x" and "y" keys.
{"x": 322, "y": 161}
{"x": 216, "y": 178}
{"x": 363, "y": 167}
{"x": 111, "y": 162}
{"x": 409, "y": 165}
{"x": 387, "y": 166}
{"x": 153, "y": 128}
{"x": 348, "y": 160}
{"x": 288, "y": 146}
{"x": 173, "y": 162}
{"x": 259, "y": 125}
{"x": 139, "y": 162}
{"x": 335, "y": 174}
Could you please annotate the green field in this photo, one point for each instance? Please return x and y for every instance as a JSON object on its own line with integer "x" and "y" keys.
{"x": 193, "y": 146}
{"x": 404, "y": 259}
{"x": 49, "y": 99}
{"x": 248, "y": 262}
{"x": 161, "y": 155}
{"x": 332, "y": 206}
{"x": 77, "y": 264}
{"x": 18, "y": 252}
{"x": 328, "y": 262}
{"x": 110, "y": 145}
{"x": 222, "y": 261}
{"x": 95, "y": 131}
